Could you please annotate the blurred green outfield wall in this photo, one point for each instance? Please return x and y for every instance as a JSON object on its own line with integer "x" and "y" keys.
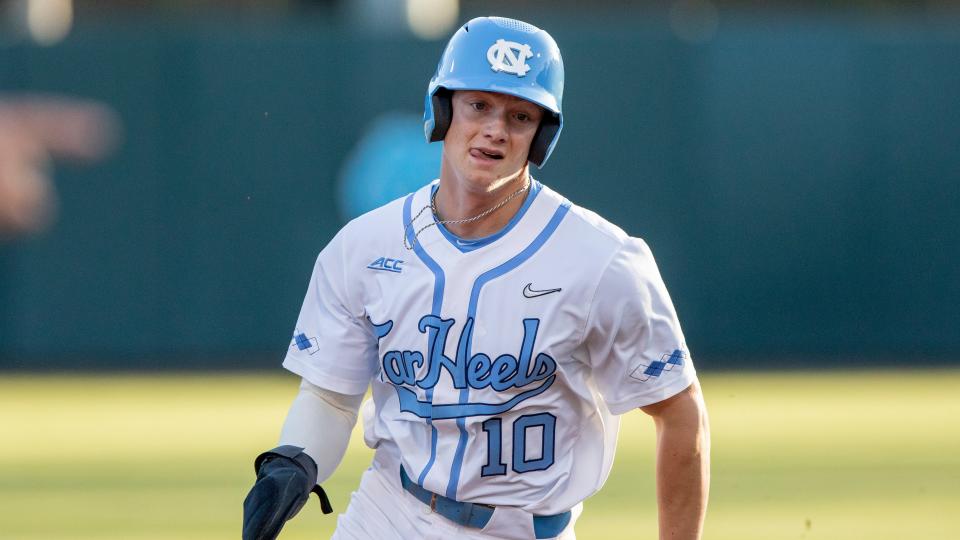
{"x": 797, "y": 177}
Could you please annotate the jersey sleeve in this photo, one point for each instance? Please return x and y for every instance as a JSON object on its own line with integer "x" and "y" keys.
{"x": 633, "y": 338}
{"x": 333, "y": 346}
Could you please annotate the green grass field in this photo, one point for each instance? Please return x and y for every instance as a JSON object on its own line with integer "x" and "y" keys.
{"x": 838, "y": 455}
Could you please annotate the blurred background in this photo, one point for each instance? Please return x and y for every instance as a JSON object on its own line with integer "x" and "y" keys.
{"x": 795, "y": 167}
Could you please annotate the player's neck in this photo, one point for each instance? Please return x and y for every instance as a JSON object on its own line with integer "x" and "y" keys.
{"x": 458, "y": 200}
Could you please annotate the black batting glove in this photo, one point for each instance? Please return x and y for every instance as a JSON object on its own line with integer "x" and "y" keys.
{"x": 285, "y": 478}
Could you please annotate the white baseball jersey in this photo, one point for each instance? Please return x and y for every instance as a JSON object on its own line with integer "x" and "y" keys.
{"x": 498, "y": 365}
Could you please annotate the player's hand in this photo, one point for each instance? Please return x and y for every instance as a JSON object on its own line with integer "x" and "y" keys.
{"x": 285, "y": 478}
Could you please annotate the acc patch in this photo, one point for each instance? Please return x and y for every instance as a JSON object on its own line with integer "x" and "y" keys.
{"x": 668, "y": 361}
{"x": 387, "y": 264}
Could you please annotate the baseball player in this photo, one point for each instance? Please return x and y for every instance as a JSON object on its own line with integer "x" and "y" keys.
{"x": 502, "y": 329}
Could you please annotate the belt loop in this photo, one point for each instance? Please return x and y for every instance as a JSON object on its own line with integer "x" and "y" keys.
{"x": 433, "y": 502}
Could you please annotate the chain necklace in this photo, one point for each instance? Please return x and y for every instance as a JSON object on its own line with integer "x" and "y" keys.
{"x": 435, "y": 214}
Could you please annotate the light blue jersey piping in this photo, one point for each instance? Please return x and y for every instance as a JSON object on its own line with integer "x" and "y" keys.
{"x": 482, "y": 280}
{"x": 439, "y": 280}
{"x": 468, "y": 245}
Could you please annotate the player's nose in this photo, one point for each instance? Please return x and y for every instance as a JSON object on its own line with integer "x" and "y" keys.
{"x": 495, "y": 128}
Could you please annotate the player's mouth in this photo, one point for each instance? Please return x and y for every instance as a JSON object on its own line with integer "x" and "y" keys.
{"x": 486, "y": 154}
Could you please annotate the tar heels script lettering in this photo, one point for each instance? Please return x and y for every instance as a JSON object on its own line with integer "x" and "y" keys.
{"x": 477, "y": 371}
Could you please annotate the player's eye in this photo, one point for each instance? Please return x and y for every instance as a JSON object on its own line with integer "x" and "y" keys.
{"x": 479, "y": 106}
{"x": 523, "y": 117}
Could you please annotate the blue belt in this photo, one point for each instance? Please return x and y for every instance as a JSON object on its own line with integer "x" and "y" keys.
{"x": 478, "y": 515}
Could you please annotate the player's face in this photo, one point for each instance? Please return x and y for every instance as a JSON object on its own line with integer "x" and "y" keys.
{"x": 489, "y": 137}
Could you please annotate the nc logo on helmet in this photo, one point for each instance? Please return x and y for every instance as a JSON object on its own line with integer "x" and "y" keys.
{"x": 509, "y": 57}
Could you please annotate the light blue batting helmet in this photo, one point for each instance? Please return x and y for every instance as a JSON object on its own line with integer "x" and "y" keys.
{"x": 507, "y": 56}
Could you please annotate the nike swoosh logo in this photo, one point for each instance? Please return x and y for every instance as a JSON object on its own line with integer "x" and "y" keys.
{"x": 529, "y": 292}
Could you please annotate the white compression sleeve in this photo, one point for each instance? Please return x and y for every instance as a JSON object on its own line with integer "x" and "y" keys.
{"x": 320, "y": 422}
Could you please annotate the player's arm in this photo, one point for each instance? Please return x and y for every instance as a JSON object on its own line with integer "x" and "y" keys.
{"x": 312, "y": 443}
{"x": 683, "y": 463}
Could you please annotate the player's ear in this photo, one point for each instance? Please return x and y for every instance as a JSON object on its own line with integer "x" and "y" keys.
{"x": 442, "y": 101}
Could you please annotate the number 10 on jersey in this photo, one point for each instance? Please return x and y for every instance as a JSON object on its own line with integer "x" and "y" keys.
{"x": 523, "y": 427}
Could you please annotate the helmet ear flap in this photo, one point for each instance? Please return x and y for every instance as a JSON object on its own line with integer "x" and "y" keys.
{"x": 545, "y": 136}
{"x": 442, "y": 113}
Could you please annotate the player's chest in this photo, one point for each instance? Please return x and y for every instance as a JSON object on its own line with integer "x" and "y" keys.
{"x": 468, "y": 308}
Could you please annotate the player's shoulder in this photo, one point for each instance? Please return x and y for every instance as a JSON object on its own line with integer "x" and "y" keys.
{"x": 622, "y": 262}
{"x": 381, "y": 225}
{"x": 376, "y": 235}
{"x": 590, "y": 228}
{"x": 373, "y": 222}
